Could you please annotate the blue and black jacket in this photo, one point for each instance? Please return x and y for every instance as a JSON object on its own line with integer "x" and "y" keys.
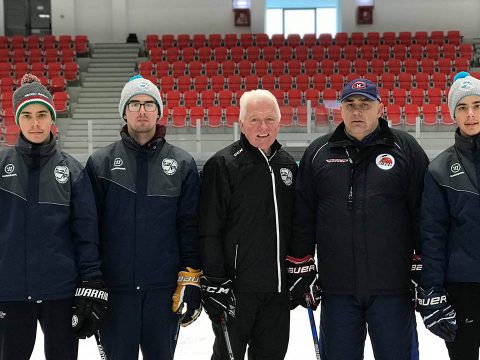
{"x": 147, "y": 198}
{"x": 48, "y": 223}
{"x": 450, "y": 225}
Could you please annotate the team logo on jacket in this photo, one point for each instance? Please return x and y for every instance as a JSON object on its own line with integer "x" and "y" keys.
{"x": 117, "y": 164}
{"x": 61, "y": 174}
{"x": 385, "y": 161}
{"x": 74, "y": 320}
{"x": 287, "y": 176}
{"x": 2, "y": 314}
{"x": 169, "y": 166}
{"x": 9, "y": 170}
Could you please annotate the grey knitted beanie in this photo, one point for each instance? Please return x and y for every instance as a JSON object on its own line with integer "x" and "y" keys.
{"x": 137, "y": 85}
{"x": 463, "y": 85}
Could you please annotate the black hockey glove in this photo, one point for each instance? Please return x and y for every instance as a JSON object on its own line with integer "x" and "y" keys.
{"x": 218, "y": 297}
{"x": 90, "y": 305}
{"x": 302, "y": 282}
{"x": 187, "y": 294}
{"x": 415, "y": 271}
{"x": 438, "y": 315}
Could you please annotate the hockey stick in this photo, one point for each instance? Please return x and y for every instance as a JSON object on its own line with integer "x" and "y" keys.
{"x": 103, "y": 356}
{"x": 225, "y": 335}
{"x": 314, "y": 329}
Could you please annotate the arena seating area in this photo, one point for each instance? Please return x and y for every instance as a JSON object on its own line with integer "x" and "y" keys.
{"x": 53, "y": 60}
{"x": 203, "y": 76}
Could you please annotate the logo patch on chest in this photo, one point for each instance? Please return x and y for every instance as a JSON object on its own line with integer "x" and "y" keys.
{"x": 9, "y": 171}
{"x": 61, "y": 174}
{"x": 385, "y": 161}
{"x": 118, "y": 164}
{"x": 287, "y": 176}
{"x": 169, "y": 166}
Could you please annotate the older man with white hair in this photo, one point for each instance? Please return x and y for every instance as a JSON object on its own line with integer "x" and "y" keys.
{"x": 246, "y": 211}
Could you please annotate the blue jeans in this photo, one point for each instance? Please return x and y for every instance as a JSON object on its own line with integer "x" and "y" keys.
{"x": 389, "y": 320}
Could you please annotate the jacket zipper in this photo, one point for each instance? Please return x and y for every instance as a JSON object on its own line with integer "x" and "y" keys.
{"x": 277, "y": 225}
{"x": 235, "y": 263}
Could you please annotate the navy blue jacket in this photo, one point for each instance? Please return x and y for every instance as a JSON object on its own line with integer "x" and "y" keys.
{"x": 450, "y": 225}
{"x": 48, "y": 224}
{"x": 147, "y": 198}
{"x": 359, "y": 203}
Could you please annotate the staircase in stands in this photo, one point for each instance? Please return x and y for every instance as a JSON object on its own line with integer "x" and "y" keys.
{"x": 110, "y": 67}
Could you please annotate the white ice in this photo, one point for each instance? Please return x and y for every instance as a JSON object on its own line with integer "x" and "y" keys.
{"x": 195, "y": 342}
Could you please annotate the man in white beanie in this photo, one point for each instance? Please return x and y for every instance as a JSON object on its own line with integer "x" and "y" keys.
{"x": 147, "y": 192}
{"x": 449, "y": 295}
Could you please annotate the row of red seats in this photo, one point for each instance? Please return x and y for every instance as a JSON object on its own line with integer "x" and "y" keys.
{"x": 79, "y": 42}
{"x": 214, "y": 116}
{"x": 317, "y": 52}
{"x": 296, "y": 67}
{"x": 341, "y": 38}
{"x": 68, "y": 70}
{"x": 301, "y": 81}
{"x": 38, "y": 55}
{"x": 295, "y": 97}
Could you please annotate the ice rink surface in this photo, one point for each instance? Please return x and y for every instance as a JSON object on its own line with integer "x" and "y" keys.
{"x": 195, "y": 342}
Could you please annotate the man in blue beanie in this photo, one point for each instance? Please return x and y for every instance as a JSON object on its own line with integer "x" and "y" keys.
{"x": 147, "y": 192}
{"x": 449, "y": 295}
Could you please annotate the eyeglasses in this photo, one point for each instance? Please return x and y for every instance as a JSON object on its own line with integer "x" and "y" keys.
{"x": 150, "y": 106}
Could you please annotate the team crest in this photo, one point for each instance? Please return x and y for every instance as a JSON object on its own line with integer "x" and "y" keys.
{"x": 61, "y": 174}
{"x": 287, "y": 176}
{"x": 74, "y": 320}
{"x": 169, "y": 166}
{"x": 385, "y": 161}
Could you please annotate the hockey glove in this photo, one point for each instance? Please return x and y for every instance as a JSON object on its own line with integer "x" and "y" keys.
{"x": 438, "y": 315}
{"x": 218, "y": 297}
{"x": 302, "y": 282}
{"x": 187, "y": 294}
{"x": 90, "y": 305}
{"x": 415, "y": 276}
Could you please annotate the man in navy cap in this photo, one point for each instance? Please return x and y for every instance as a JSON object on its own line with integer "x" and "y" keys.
{"x": 357, "y": 204}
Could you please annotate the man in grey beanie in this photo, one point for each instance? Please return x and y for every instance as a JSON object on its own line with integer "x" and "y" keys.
{"x": 449, "y": 292}
{"x": 147, "y": 193}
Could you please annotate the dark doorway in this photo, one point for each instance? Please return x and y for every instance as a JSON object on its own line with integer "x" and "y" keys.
{"x": 25, "y": 17}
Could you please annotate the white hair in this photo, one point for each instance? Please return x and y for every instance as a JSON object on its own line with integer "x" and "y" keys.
{"x": 256, "y": 94}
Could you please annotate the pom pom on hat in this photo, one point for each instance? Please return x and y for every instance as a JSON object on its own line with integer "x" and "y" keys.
{"x": 463, "y": 85}
{"x": 31, "y": 91}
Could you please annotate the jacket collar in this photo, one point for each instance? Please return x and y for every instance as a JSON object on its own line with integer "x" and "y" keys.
{"x": 157, "y": 140}
{"x": 36, "y": 153}
{"x": 382, "y": 136}
{"x": 467, "y": 145}
{"x": 245, "y": 144}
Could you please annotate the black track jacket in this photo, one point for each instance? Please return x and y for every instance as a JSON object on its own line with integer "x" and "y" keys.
{"x": 246, "y": 212}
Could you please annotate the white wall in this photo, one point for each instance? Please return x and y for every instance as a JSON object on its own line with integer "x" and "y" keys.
{"x": 416, "y": 15}
{"x": 112, "y": 20}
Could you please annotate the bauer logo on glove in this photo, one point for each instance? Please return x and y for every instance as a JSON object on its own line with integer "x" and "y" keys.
{"x": 187, "y": 296}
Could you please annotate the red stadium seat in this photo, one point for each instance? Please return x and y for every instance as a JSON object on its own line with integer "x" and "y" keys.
{"x": 394, "y": 114}
{"x": 411, "y": 114}
{"x": 179, "y": 116}
{"x": 214, "y": 116}
{"x": 231, "y": 115}
{"x": 261, "y": 40}
{"x": 389, "y": 38}
{"x": 430, "y": 114}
